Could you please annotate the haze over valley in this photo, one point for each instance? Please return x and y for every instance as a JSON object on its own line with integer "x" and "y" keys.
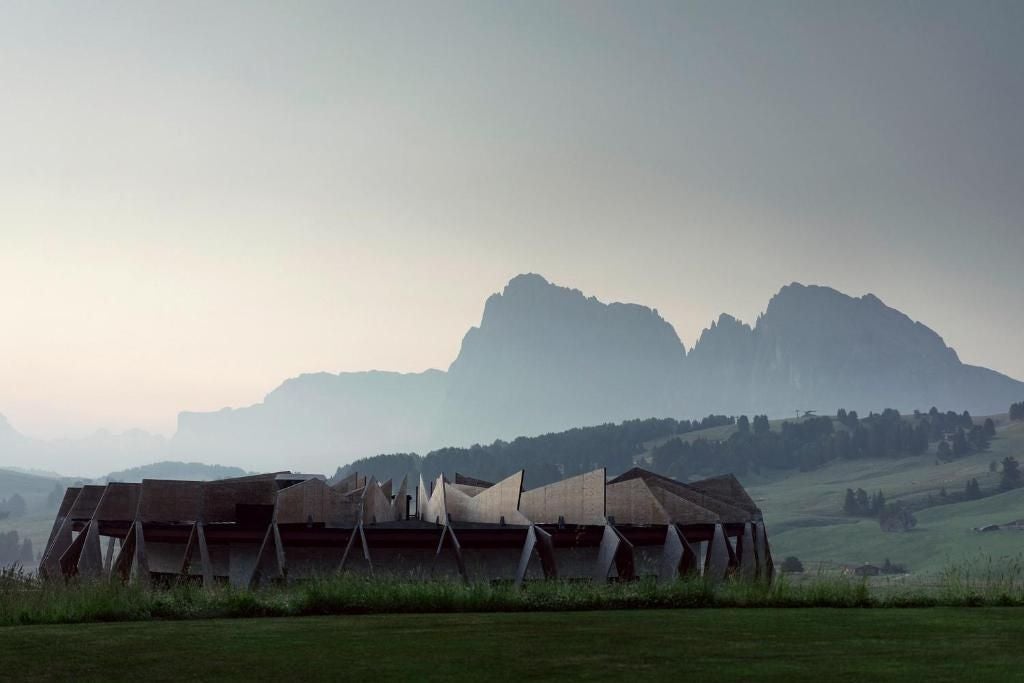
{"x": 546, "y": 358}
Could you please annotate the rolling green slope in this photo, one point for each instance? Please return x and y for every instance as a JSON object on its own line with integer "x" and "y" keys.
{"x": 27, "y": 485}
{"x": 35, "y": 489}
{"x": 804, "y": 511}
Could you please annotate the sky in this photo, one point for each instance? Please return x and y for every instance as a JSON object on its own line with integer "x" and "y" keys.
{"x": 201, "y": 199}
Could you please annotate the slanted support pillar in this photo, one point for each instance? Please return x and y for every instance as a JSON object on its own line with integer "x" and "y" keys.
{"x": 537, "y": 542}
{"x": 108, "y": 560}
{"x": 270, "y": 558}
{"x": 529, "y": 545}
{"x": 678, "y": 556}
{"x": 197, "y": 541}
{"x": 90, "y": 560}
{"x": 719, "y": 557}
{"x": 122, "y": 566}
{"x": 746, "y": 553}
{"x": 614, "y": 549}
{"x": 186, "y": 558}
{"x": 49, "y": 565}
{"x": 453, "y": 541}
{"x": 140, "y": 564}
{"x": 765, "y": 566}
{"x": 546, "y": 550}
{"x": 204, "y": 555}
{"x": 356, "y": 535}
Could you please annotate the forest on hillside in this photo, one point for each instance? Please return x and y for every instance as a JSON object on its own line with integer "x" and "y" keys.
{"x": 752, "y": 446}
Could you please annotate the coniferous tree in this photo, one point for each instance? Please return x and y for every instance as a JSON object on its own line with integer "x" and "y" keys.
{"x": 863, "y": 504}
{"x": 850, "y": 505}
{"x": 960, "y": 447}
{"x": 977, "y": 439}
{"x": 743, "y": 425}
{"x": 1011, "y": 477}
{"x": 761, "y": 425}
{"x": 54, "y": 498}
{"x": 792, "y": 565}
{"x": 944, "y": 452}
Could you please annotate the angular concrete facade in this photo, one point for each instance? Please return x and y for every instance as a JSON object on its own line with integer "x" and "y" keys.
{"x": 283, "y": 526}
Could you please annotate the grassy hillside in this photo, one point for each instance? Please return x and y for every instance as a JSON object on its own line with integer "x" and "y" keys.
{"x": 172, "y": 469}
{"x": 35, "y": 489}
{"x": 27, "y": 485}
{"x": 763, "y": 644}
{"x": 804, "y": 511}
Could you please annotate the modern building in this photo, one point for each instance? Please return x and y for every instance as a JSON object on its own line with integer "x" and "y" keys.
{"x": 283, "y": 526}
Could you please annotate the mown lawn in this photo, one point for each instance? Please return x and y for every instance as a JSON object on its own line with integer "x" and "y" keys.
{"x": 935, "y": 644}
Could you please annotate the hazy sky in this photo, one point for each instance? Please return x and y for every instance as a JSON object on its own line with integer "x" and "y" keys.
{"x": 198, "y": 200}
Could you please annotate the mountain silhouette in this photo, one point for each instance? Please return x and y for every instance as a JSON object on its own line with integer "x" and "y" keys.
{"x": 546, "y": 358}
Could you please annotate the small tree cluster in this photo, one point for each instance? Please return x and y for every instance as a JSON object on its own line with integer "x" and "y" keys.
{"x": 1011, "y": 476}
{"x": 896, "y": 517}
{"x": 13, "y": 506}
{"x": 1017, "y": 411}
{"x": 792, "y": 565}
{"x": 962, "y": 443}
{"x": 972, "y": 491}
{"x": 859, "y": 504}
{"x": 54, "y": 498}
{"x": 893, "y": 568}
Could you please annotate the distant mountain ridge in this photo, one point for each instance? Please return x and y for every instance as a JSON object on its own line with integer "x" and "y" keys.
{"x": 546, "y": 358}
{"x": 169, "y": 469}
{"x": 129, "y": 447}
{"x": 816, "y": 348}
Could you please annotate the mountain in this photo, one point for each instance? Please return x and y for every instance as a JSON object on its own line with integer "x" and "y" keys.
{"x": 321, "y": 417}
{"x": 545, "y": 358}
{"x": 74, "y": 455}
{"x": 817, "y": 348}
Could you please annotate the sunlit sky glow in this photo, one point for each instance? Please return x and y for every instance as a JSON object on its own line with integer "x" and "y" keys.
{"x": 199, "y": 200}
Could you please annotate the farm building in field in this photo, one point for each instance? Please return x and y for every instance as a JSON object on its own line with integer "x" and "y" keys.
{"x": 283, "y": 526}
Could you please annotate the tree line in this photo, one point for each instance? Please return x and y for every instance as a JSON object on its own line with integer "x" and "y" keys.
{"x": 891, "y": 516}
{"x": 752, "y": 447}
{"x": 812, "y": 442}
{"x": 1017, "y": 411}
{"x": 546, "y": 458}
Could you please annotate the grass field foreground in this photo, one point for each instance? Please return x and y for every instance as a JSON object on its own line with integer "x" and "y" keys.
{"x": 944, "y": 644}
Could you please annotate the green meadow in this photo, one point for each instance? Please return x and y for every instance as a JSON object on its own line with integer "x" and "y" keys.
{"x": 943, "y": 644}
{"x": 804, "y": 514}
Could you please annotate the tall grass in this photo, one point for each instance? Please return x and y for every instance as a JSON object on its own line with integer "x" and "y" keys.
{"x": 26, "y": 600}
